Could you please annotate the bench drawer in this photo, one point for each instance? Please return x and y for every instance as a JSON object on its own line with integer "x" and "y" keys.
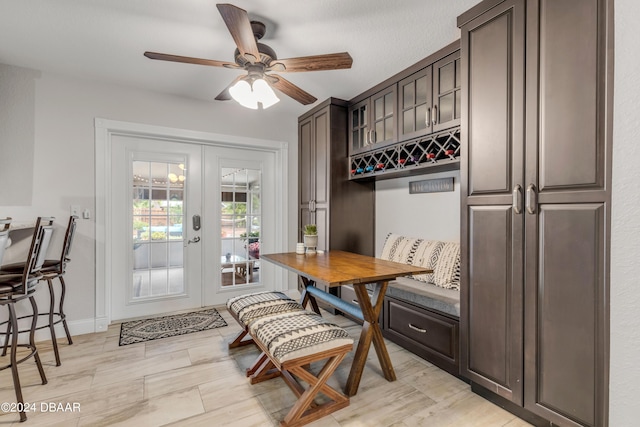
{"x": 424, "y": 332}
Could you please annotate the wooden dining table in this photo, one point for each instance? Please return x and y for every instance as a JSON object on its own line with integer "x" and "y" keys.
{"x": 337, "y": 268}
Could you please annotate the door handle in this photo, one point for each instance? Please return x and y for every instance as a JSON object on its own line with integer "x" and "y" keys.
{"x": 531, "y": 199}
{"x": 517, "y": 199}
{"x": 194, "y": 240}
{"x": 196, "y": 222}
{"x": 435, "y": 115}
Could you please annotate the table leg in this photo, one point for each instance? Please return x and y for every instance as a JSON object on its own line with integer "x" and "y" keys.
{"x": 370, "y": 332}
{"x": 307, "y": 297}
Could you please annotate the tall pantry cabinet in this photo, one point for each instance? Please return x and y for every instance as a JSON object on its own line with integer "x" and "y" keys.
{"x": 343, "y": 210}
{"x": 536, "y": 196}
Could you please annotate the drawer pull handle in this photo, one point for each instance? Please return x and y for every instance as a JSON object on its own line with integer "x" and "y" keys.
{"x": 355, "y": 302}
{"x": 415, "y": 328}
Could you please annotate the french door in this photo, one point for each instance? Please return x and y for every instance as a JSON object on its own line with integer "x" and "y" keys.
{"x": 189, "y": 222}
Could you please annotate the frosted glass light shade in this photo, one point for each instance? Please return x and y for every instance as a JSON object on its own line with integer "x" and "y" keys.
{"x": 242, "y": 93}
{"x": 264, "y": 94}
{"x": 249, "y": 96}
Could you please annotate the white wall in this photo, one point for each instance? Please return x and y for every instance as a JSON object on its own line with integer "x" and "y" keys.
{"x": 431, "y": 216}
{"x": 17, "y": 109}
{"x": 625, "y": 230}
{"x": 64, "y": 163}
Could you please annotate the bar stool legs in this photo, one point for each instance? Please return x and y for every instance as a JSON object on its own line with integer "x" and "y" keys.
{"x": 60, "y": 313}
{"x": 13, "y": 354}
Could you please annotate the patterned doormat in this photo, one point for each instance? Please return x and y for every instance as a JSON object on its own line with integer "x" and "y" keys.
{"x": 143, "y": 330}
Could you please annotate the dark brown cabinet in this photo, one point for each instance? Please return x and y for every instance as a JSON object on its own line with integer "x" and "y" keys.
{"x": 447, "y": 90}
{"x": 415, "y": 104}
{"x": 427, "y": 333}
{"x": 429, "y": 100}
{"x": 372, "y": 121}
{"x": 535, "y": 188}
{"x": 343, "y": 210}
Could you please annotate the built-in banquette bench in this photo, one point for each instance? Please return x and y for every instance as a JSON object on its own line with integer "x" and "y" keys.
{"x": 291, "y": 338}
{"x": 421, "y": 313}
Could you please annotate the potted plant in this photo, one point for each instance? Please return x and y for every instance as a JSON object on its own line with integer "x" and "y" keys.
{"x": 310, "y": 235}
{"x": 252, "y": 243}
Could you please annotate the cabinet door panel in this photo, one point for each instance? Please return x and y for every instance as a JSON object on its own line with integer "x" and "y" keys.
{"x": 359, "y": 127}
{"x": 495, "y": 102}
{"x": 569, "y": 96}
{"x": 321, "y": 154}
{"x": 564, "y": 302}
{"x": 446, "y": 91}
{"x": 322, "y": 221}
{"x": 493, "y": 309}
{"x": 414, "y": 106}
{"x": 307, "y": 169}
{"x": 383, "y": 105}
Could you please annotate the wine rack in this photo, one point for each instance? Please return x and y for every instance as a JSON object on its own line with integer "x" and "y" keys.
{"x": 435, "y": 152}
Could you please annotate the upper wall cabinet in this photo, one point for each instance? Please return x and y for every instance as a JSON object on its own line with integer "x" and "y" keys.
{"x": 410, "y": 123}
{"x": 372, "y": 121}
{"x": 446, "y": 93}
{"x": 429, "y": 100}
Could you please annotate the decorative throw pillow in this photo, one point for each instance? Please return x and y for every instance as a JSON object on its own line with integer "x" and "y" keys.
{"x": 441, "y": 257}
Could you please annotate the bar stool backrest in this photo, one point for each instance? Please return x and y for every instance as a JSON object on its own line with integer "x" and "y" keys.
{"x": 37, "y": 253}
{"x": 66, "y": 246}
{"x": 4, "y": 235}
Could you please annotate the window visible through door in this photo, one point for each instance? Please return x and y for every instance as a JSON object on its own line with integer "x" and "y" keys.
{"x": 241, "y": 219}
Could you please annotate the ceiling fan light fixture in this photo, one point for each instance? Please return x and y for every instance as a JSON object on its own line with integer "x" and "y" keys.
{"x": 243, "y": 94}
{"x": 264, "y": 94}
{"x": 250, "y": 94}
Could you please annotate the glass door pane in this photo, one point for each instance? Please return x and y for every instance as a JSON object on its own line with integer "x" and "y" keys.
{"x": 158, "y": 239}
{"x": 240, "y": 226}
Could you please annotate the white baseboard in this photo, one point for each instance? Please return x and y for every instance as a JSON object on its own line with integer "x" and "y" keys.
{"x": 76, "y": 327}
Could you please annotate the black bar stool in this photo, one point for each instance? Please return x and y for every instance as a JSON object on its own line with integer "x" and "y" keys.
{"x": 51, "y": 269}
{"x": 17, "y": 287}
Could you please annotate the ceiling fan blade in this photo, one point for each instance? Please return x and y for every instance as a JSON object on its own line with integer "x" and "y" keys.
{"x": 225, "y": 95}
{"x": 331, "y": 61}
{"x": 189, "y": 60}
{"x": 239, "y": 26}
{"x": 289, "y": 89}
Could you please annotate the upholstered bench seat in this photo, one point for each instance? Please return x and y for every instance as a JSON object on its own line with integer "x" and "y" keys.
{"x": 254, "y": 306}
{"x": 250, "y": 307}
{"x": 298, "y": 334}
{"x": 291, "y": 339}
{"x": 426, "y": 295}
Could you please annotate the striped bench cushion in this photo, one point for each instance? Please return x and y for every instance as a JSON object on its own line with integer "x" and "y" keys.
{"x": 261, "y": 304}
{"x": 442, "y": 257}
{"x": 297, "y": 334}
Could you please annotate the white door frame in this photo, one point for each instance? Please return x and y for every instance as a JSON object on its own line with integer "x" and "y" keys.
{"x": 105, "y": 129}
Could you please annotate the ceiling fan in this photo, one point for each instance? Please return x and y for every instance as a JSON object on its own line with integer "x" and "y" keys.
{"x": 260, "y": 62}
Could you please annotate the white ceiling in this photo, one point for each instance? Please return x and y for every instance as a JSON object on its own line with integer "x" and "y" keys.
{"x": 103, "y": 40}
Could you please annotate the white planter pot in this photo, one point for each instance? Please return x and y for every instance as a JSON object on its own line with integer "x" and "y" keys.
{"x": 310, "y": 243}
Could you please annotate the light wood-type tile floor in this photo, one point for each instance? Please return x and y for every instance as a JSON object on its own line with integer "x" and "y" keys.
{"x": 194, "y": 380}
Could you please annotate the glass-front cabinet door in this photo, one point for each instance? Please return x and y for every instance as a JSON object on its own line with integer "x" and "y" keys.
{"x": 383, "y": 106}
{"x": 446, "y": 92}
{"x": 359, "y": 135}
{"x": 415, "y": 105}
